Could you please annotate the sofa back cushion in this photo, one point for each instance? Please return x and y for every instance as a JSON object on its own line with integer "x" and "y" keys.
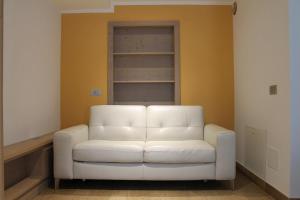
{"x": 116, "y": 122}
{"x": 174, "y": 123}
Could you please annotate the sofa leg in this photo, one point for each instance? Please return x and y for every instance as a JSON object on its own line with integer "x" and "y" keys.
{"x": 56, "y": 183}
{"x": 228, "y": 184}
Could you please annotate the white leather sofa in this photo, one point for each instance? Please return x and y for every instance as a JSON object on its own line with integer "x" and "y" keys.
{"x": 145, "y": 143}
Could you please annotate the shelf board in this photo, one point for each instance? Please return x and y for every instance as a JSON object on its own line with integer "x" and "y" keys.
{"x": 20, "y": 149}
{"x": 147, "y": 81}
{"x": 22, "y": 187}
{"x": 144, "y": 53}
{"x": 147, "y": 103}
{"x": 141, "y": 67}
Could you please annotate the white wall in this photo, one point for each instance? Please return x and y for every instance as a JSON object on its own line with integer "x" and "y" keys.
{"x": 294, "y": 14}
{"x": 31, "y": 69}
{"x": 261, "y": 43}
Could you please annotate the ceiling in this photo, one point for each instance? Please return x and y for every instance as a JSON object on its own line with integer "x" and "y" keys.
{"x": 82, "y": 6}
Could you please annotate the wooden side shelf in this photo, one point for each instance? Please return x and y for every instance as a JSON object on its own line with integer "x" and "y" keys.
{"x": 18, "y": 150}
{"x": 27, "y": 165}
{"x": 22, "y": 188}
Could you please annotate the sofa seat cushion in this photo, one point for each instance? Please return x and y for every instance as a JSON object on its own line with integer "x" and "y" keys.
{"x": 109, "y": 151}
{"x": 185, "y": 151}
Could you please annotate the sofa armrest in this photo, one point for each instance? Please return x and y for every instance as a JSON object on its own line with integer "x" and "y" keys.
{"x": 63, "y": 143}
{"x": 224, "y": 142}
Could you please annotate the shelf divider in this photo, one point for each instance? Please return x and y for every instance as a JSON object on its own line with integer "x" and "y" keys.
{"x": 143, "y": 53}
{"x": 146, "y": 81}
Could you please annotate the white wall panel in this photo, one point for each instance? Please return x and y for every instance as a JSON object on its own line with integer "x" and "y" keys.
{"x": 31, "y": 69}
{"x": 261, "y": 45}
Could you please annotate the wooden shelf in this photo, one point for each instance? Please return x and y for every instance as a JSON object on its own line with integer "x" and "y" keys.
{"x": 147, "y": 81}
{"x": 144, "y": 53}
{"x": 18, "y": 150}
{"x": 151, "y": 67}
{"x": 146, "y": 103}
{"x": 22, "y": 188}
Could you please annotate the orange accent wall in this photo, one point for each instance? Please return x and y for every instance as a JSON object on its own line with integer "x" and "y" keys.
{"x": 206, "y": 58}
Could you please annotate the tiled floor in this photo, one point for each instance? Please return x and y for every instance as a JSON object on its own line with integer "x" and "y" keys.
{"x": 98, "y": 190}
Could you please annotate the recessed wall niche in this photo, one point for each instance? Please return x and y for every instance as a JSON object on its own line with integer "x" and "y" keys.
{"x": 144, "y": 63}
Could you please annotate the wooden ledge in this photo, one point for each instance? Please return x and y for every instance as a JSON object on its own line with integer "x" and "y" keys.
{"x": 22, "y": 188}
{"x": 14, "y": 151}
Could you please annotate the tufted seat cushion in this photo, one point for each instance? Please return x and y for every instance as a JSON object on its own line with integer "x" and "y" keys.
{"x": 187, "y": 151}
{"x": 109, "y": 151}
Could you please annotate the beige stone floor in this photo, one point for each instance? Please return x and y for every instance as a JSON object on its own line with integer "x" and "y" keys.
{"x": 98, "y": 190}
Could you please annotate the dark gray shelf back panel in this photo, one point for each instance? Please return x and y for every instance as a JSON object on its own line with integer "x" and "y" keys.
{"x": 144, "y": 92}
{"x": 143, "y": 39}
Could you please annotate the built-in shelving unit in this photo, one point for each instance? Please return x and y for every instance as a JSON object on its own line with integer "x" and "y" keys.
{"x": 144, "y": 63}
